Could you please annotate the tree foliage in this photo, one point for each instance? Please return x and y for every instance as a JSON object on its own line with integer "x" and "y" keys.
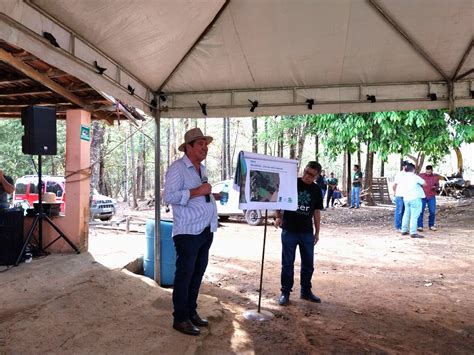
{"x": 16, "y": 164}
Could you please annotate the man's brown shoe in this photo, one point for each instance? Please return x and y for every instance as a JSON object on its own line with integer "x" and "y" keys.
{"x": 186, "y": 327}
{"x": 198, "y": 321}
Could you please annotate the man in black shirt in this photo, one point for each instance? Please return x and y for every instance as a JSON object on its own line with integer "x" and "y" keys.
{"x": 356, "y": 186}
{"x": 6, "y": 188}
{"x": 297, "y": 230}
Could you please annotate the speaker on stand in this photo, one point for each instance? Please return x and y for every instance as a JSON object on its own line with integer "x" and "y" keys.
{"x": 40, "y": 139}
{"x": 40, "y": 136}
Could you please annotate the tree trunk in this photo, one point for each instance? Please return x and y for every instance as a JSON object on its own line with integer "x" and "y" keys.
{"x": 186, "y": 125}
{"x": 419, "y": 161}
{"x": 344, "y": 172}
{"x": 292, "y": 137}
{"x": 265, "y": 145}
{"x": 134, "y": 178}
{"x": 95, "y": 153}
{"x": 460, "y": 161}
{"x": 281, "y": 138}
{"x": 358, "y": 157}
{"x": 125, "y": 173}
{"x": 53, "y": 166}
{"x": 301, "y": 141}
{"x": 141, "y": 168}
{"x": 316, "y": 147}
{"x": 173, "y": 139}
{"x": 420, "y": 164}
{"x": 103, "y": 186}
{"x": 369, "y": 170}
{"x": 237, "y": 132}
{"x": 254, "y": 135}
{"x": 382, "y": 168}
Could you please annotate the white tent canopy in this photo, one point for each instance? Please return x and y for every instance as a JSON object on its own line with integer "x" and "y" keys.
{"x": 359, "y": 55}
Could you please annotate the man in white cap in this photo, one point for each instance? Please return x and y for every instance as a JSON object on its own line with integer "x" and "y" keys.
{"x": 194, "y": 221}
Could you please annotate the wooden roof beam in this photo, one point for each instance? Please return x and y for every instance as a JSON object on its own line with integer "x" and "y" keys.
{"x": 48, "y": 82}
{"x": 24, "y": 92}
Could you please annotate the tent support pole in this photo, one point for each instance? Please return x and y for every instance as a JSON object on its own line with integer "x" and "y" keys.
{"x": 157, "y": 117}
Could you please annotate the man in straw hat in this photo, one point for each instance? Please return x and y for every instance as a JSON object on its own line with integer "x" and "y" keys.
{"x": 194, "y": 222}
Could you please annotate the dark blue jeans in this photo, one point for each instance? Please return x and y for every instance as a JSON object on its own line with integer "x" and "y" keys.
{"x": 399, "y": 209}
{"x": 289, "y": 242}
{"x": 192, "y": 252}
{"x": 431, "y": 202}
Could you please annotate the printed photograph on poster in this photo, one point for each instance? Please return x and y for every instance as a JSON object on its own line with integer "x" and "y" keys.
{"x": 264, "y": 186}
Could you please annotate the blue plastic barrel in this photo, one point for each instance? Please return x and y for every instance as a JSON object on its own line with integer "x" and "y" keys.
{"x": 168, "y": 252}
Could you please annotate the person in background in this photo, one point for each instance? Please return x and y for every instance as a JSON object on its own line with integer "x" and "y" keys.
{"x": 7, "y": 187}
{"x": 430, "y": 189}
{"x": 332, "y": 186}
{"x": 322, "y": 183}
{"x": 194, "y": 223}
{"x": 297, "y": 230}
{"x": 412, "y": 195}
{"x": 399, "y": 206}
{"x": 356, "y": 185}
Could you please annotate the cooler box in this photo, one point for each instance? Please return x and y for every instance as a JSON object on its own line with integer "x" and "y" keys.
{"x": 168, "y": 252}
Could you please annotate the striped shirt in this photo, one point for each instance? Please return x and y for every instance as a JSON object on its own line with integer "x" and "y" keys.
{"x": 190, "y": 215}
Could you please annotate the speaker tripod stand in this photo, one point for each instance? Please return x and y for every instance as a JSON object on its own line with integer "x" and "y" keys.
{"x": 41, "y": 216}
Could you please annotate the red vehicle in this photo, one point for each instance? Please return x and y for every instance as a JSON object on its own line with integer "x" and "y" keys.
{"x": 26, "y": 189}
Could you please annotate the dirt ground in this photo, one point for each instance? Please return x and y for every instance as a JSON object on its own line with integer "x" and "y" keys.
{"x": 381, "y": 293}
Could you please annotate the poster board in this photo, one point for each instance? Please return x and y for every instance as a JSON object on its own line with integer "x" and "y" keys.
{"x": 266, "y": 182}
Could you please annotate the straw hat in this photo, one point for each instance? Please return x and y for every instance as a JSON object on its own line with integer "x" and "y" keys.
{"x": 49, "y": 197}
{"x": 192, "y": 135}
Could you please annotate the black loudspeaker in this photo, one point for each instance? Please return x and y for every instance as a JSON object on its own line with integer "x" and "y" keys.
{"x": 11, "y": 235}
{"x": 40, "y": 130}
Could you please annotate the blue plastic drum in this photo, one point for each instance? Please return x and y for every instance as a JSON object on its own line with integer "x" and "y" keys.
{"x": 168, "y": 252}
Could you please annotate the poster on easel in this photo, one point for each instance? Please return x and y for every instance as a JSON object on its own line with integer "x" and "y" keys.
{"x": 266, "y": 182}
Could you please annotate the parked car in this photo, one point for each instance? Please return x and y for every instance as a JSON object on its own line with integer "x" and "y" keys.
{"x": 102, "y": 207}
{"x": 26, "y": 189}
{"x": 231, "y": 208}
{"x": 26, "y": 192}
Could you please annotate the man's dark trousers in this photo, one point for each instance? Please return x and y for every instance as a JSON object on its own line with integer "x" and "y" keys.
{"x": 192, "y": 257}
{"x": 290, "y": 241}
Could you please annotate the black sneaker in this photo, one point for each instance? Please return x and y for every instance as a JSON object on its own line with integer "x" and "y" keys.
{"x": 284, "y": 299}
{"x": 416, "y": 235}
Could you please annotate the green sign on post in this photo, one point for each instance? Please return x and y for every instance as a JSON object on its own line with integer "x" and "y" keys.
{"x": 85, "y": 132}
